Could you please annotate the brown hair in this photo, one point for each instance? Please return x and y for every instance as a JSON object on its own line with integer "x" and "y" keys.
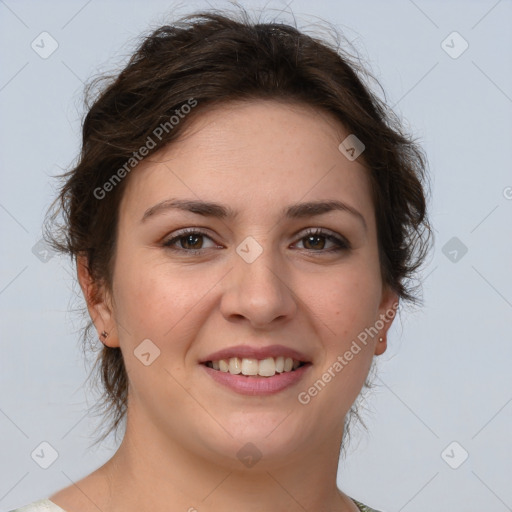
{"x": 211, "y": 58}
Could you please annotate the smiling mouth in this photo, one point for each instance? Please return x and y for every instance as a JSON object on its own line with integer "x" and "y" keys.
{"x": 250, "y": 367}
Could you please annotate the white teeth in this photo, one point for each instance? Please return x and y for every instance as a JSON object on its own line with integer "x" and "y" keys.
{"x": 250, "y": 366}
{"x": 235, "y": 366}
{"x": 267, "y": 367}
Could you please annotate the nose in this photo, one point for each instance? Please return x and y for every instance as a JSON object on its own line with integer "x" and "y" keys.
{"x": 258, "y": 292}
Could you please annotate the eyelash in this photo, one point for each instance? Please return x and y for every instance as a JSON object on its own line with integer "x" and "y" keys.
{"x": 340, "y": 243}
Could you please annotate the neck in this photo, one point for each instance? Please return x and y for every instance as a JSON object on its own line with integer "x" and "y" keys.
{"x": 161, "y": 475}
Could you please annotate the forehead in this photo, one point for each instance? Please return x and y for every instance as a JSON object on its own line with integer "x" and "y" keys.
{"x": 257, "y": 154}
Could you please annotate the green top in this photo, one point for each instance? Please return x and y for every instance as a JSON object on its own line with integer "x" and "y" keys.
{"x": 363, "y": 508}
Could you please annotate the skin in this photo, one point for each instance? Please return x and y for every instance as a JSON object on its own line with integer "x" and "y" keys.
{"x": 183, "y": 429}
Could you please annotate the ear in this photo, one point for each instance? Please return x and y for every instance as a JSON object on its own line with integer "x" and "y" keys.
{"x": 387, "y": 311}
{"x": 99, "y": 303}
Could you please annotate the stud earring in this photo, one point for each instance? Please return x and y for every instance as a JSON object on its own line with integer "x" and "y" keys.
{"x": 381, "y": 340}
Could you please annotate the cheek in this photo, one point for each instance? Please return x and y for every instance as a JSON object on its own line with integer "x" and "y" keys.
{"x": 346, "y": 305}
{"x": 156, "y": 301}
{"x": 346, "y": 300}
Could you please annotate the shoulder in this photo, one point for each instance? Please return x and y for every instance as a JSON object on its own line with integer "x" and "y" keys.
{"x": 363, "y": 508}
{"x": 44, "y": 505}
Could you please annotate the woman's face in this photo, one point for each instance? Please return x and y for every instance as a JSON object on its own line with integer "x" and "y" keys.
{"x": 251, "y": 281}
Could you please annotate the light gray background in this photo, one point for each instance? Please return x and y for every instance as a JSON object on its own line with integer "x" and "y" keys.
{"x": 446, "y": 375}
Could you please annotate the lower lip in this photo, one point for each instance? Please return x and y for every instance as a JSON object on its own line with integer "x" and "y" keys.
{"x": 256, "y": 385}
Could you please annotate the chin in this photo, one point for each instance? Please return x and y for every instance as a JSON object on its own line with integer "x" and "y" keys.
{"x": 259, "y": 440}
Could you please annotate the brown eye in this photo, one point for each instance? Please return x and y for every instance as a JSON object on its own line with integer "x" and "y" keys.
{"x": 190, "y": 240}
{"x": 316, "y": 240}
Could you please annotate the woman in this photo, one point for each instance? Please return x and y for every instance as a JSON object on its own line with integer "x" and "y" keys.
{"x": 245, "y": 218}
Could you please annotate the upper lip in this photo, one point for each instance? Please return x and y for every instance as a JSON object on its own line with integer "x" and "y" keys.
{"x": 252, "y": 352}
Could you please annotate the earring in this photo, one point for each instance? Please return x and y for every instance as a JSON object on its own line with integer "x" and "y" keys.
{"x": 381, "y": 340}
{"x": 104, "y": 334}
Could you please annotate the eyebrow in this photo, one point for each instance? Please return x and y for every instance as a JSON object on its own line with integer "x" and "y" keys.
{"x": 216, "y": 210}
